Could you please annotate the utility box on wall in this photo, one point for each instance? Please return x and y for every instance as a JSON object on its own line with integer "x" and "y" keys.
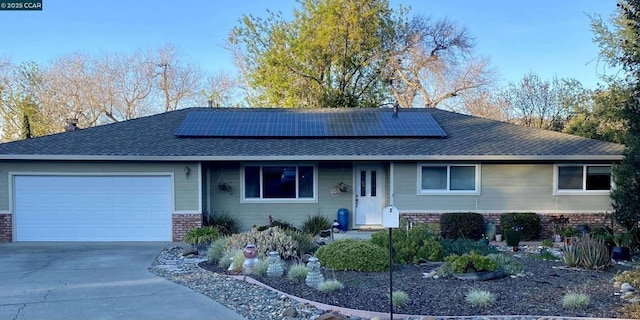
{"x": 390, "y": 217}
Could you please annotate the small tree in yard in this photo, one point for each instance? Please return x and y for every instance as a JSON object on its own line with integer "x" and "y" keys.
{"x": 619, "y": 42}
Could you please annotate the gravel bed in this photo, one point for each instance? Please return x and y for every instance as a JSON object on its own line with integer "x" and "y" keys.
{"x": 535, "y": 295}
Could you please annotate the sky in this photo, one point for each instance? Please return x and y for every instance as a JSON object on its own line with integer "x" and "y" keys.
{"x": 549, "y": 37}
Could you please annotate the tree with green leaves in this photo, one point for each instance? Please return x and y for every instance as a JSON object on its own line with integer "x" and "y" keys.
{"x": 354, "y": 53}
{"x": 619, "y": 44}
{"x": 332, "y": 53}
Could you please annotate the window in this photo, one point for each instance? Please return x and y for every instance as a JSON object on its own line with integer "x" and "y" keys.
{"x": 279, "y": 182}
{"x": 583, "y": 178}
{"x": 449, "y": 178}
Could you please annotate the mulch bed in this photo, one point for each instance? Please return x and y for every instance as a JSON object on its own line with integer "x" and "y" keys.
{"x": 538, "y": 293}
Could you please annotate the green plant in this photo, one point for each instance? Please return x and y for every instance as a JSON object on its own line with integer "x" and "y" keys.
{"x": 574, "y": 300}
{"x": 470, "y": 262}
{"x": 413, "y": 245}
{"x": 480, "y": 298}
{"x": 568, "y": 232}
{"x": 271, "y": 239}
{"x": 224, "y": 222}
{"x": 546, "y": 255}
{"x": 399, "y": 298}
{"x": 229, "y": 257}
{"x": 548, "y": 243}
{"x": 262, "y": 266}
{"x": 462, "y": 246}
{"x": 508, "y": 264}
{"x": 304, "y": 240}
{"x": 630, "y": 276}
{"x": 631, "y": 311}
{"x": 201, "y": 235}
{"x": 330, "y": 286}
{"x": 529, "y": 221}
{"x": 353, "y": 254}
{"x": 217, "y": 249}
{"x": 456, "y": 225}
{"x": 316, "y": 223}
{"x": 588, "y": 252}
{"x": 297, "y": 272}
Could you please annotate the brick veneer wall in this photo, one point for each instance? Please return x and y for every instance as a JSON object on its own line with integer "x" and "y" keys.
{"x": 593, "y": 219}
{"x": 183, "y": 222}
{"x": 6, "y": 228}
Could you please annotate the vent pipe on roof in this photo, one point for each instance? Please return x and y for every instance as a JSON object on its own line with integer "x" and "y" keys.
{"x": 396, "y": 108}
{"x": 210, "y": 102}
{"x": 72, "y": 125}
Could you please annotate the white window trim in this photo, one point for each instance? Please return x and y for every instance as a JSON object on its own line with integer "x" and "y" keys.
{"x": 448, "y": 192}
{"x": 244, "y": 199}
{"x": 583, "y": 191}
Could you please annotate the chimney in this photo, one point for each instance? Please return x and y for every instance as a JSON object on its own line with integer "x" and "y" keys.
{"x": 72, "y": 125}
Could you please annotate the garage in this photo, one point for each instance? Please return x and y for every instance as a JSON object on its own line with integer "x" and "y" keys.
{"x": 92, "y": 208}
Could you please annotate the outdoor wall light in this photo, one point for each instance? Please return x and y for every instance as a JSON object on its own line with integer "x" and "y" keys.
{"x": 187, "y": 171}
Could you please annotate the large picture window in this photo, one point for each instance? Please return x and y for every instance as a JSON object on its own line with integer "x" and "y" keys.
{"x": 448, "y": 178}
{"x": 583, "y": 178}
{"x": 279, "y": 182}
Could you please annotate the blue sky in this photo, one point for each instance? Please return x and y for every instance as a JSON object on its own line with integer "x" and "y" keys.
{"x": 549, "y": 37}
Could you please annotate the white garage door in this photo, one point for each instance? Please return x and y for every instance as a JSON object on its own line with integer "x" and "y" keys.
{"x": 92, "y": 208}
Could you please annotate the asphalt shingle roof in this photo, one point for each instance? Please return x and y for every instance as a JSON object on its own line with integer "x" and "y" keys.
{"x": 468, "y": 138}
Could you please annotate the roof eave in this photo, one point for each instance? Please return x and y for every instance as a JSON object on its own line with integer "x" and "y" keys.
{"x": 582, "y": 158}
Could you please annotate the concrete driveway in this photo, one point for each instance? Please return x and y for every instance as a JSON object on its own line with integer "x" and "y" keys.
{"x": 94, "y": 281}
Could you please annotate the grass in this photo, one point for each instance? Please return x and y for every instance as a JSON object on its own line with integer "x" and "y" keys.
{"x": 480, "y": 298}
{"x": 330, "y": 286}
{"x": 399, "y": 298}
{"x": 297, "y": 272}
{"x": 575, "y": 300}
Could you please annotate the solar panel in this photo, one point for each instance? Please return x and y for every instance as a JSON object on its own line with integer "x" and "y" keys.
{"x": 306, "y": 123}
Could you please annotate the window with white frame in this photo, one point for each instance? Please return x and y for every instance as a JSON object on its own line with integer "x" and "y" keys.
{"x": 583, "y": 178}
{"x": 434, "y": 178}
{"x": 289, "y": 182}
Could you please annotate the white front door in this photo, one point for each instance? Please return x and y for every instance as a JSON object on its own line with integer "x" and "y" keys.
{"x": 369, "y": 195}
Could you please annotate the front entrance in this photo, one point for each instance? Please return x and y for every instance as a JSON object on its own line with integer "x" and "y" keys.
{"x": 369, "y": 195}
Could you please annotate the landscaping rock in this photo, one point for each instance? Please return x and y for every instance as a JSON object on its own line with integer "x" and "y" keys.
{"x": 189, "y": 251}
{"x": 329, "y": 316}
{"x": 290, "y": 312}
{"x": 627, "y": 287}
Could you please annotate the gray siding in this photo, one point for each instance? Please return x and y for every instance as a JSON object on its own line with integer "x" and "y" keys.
{"x": 504, "y": 187}
{"x": 249, "y": 214}
{"x": 186, "y": 194}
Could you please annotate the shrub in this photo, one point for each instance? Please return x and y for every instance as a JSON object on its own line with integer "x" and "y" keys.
{"x": 470, "y": 262}
{"x": 262, "y": 266}
{"x": 280, "y": 224}
{"x": 399, "y": 298}
{"x": 588, "y": 252}
{"x": 229, "y": 256}
{"x": 480, "y": 298}
{"x": 506, "y": 263}
{"x": 353, "y": 254}
{"x": 304, "y": 240}
{"x": 316, "y": 223}
{"x": 224, "y": 222}
{"x": 529, "y": 221}
{"x": 271, "y": 239}
{"x": 297, "y": 272}
{"x": 217, "y": 249}
{"x": 545, "y": 255}
{"x": 462, "y": 246}
{"x": 330, "y": 286}
{"x": 201, "y": 235}
{"x": 547, "y": 243}
{"x": 418, "y": 243}
{"x": 573, "y": 300}
{"x": 631, "y": 311}
{"x": 467, "y": 225}
{"x": 630, "y": 276}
